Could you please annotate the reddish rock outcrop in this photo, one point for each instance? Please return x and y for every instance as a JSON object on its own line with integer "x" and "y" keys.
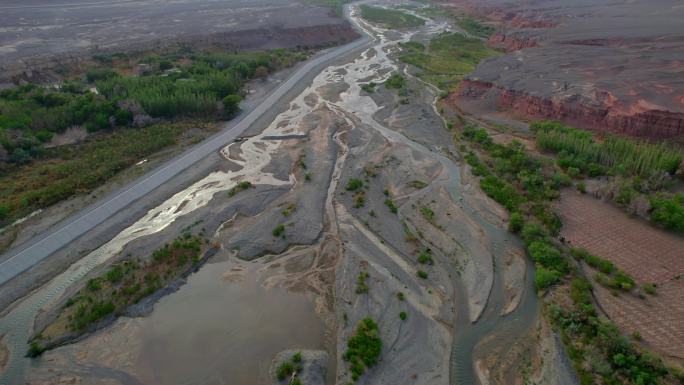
{"x": 510, "y": 43}
{"x": 599, "y": 112}
{"x": 598, "y": 65}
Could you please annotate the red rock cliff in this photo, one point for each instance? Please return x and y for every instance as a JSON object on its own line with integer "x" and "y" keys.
{"x": 599, "y": 113}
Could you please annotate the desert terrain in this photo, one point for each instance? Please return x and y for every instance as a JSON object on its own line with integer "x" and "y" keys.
{"x": 611, "y": 66}
{"x": 43, "y": 40}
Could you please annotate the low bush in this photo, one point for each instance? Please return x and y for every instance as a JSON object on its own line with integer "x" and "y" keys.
{"x": 668, "y": 211}
{"x": 363, "y": 348}
{"x": 395, "y": 81}
{"x": 425, "y": 257}
{"x": 278, "y": 230}
{"x": 354, "y": 184}
{"x": 391, "y": 206}
{"x": 427, "y": 213}
{"x": 501, "y": 192}
{"x": 241, "y": 186}
{"x": 548, "y": 256}
{"x": 515, "y": 222}
{"x": 544, "y": 278}
{"x": 361, "y": 286}
{"x": 600, "y": 264}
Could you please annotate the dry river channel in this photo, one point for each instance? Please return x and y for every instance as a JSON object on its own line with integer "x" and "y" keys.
{"x": 262, "y": 294}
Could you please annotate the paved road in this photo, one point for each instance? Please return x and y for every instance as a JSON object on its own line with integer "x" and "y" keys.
{"x": 20, "y": 259}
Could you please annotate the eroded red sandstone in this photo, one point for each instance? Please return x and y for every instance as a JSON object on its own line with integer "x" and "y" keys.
{"x": 599, "y": 66}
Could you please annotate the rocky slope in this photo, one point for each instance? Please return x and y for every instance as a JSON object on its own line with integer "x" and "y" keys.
{"x": 592, "y": 64}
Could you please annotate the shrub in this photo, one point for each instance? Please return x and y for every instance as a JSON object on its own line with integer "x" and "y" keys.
{"x": 284, "y": 370}
{"x": 427, "y": 213}
{"x": 600, "y": 264}
{"x": 417, "y": 184}
{"x": 35, "y": 350}
{"x": 501, "y": 192}
{"x": 515, "y": 222}
{"x": 400, "y": 296}
{"x": 581, "y": 187}
{"x": 165, "y": 65}
{"x": 115, "y": 274}
{"x": 622, "y": 281}
{"x": 231, "y": 104}
{"x": 368, "y": 87}
{"x": 361, "y": 286}
{"x": 668, "y": 211}
{"x": 359, "y": 199}
{"x": 93, "y": 284}
{"x": 532, "y": 232}
{"x": 402, "y": 315}
{"x": 241, "y": 186}
{"x": 425, "y": 257}
{"x": 395, "y": 81}
{"x": 363, "y": 348}
{"x": 650, "y": 288}
{"x": 392, "y": 207}
{"x": 544, "y": 278}
{"x": 548, "y": 256}
{"x": 422, "y": 274}
{"x": 354, "y": 184}
{"x": 278, "y": 230}
{"x": 86, "y": 315}
{"x": 95, "y": 74}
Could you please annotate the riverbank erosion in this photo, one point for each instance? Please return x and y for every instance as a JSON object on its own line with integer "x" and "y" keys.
{"x": 600, "y": 66}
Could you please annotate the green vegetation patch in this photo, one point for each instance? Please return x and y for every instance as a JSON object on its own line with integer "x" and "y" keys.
{"x": 390, "y": 18}
{"x": 361, "y": 285}
{"x": 279, "y": 231}
{"x": 446, "y": 59}
{"x": 427, "y": 213}
{"x": 290, "y": 369}
{"x": 363, "y": 348}
{"x": 668, "y": 210}
{"x": 646, "y": 168}
{"x": 417, "y": 184}
{"x": 577, "y": 148}
{"x": 474, "y": 27}
{"x": 391, "y": 206}
{"x": 395, "y": 81}
{"x": 241, "y": 186}
{"x": 69, "y": 170}
{"x": 354, "y": 184}
{"x": 124, "y": 284}
{"x": 173, "y": 86}
{"x": 425, "y": 257}
{"x": 196, "y": 89}
{"x": 598, "y": 352}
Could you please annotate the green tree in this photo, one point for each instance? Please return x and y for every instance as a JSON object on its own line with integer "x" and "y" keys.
{"x": 231, "y": 104}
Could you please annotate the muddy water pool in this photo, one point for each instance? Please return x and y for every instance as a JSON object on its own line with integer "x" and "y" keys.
{"x": 221, "y": 327}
